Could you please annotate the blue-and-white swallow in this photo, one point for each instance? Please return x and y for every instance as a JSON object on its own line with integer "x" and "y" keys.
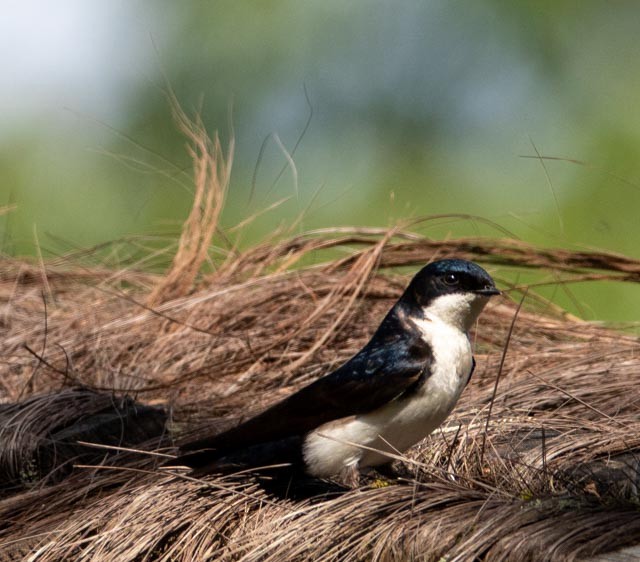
{"x": 389, "y": 396}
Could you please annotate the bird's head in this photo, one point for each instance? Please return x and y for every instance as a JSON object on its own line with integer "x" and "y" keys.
{"x": 453, "y": 291}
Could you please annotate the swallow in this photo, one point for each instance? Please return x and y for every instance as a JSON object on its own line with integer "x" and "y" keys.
{"x": 389, "y": 396}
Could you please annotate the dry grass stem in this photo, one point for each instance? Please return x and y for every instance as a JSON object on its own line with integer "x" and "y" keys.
{"x": 212, "y": 169}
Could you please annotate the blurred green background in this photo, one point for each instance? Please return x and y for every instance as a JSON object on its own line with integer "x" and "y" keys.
{"x": 413, "y": 108}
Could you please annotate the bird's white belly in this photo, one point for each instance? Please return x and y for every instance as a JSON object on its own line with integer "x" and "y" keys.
{"x": 402, "y": 422}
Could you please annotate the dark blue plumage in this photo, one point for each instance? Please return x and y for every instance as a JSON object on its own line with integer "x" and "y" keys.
{"x": 390, "y": 367}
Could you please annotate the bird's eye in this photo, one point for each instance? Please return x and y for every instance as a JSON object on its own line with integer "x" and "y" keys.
{"x": 451, "y": 279}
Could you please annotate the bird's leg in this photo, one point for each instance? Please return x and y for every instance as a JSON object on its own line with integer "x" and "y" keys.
{"x": 379, "y": 476}
{"x": 350, "y": 476}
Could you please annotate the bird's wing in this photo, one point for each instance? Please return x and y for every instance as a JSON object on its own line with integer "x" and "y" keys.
{"x": 381, "y": 372}
{"x": 473, "y": 368}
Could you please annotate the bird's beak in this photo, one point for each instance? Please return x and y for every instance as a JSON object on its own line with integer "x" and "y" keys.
{"x": 488, "y": 291}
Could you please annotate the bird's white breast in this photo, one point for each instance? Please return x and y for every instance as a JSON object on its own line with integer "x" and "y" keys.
{"x": 402, "y": 422}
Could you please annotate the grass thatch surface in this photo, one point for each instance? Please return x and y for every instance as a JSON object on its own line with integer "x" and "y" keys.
{"x": 547, "y": 469}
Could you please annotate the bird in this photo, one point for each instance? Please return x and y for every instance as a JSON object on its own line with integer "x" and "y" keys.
{"x": 389, "y": 396}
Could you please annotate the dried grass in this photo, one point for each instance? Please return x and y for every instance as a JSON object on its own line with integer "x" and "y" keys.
{"x": 553, "y": 475}
{"x": 211, "y": 174}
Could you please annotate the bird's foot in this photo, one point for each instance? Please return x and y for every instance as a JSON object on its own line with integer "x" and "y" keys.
{"x": 380, "y": 476}
{"x": 380, "y": 483}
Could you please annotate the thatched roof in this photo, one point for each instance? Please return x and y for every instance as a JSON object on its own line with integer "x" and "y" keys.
{"x": 538, "y": 461}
